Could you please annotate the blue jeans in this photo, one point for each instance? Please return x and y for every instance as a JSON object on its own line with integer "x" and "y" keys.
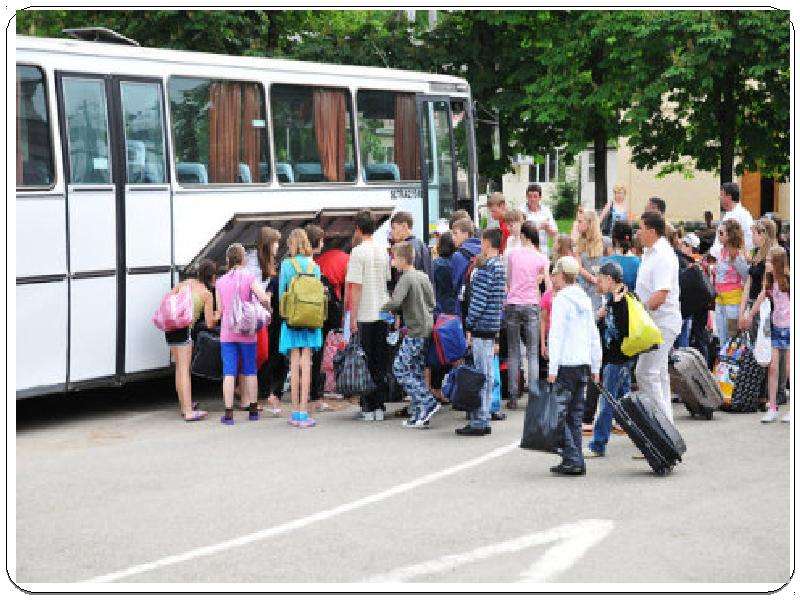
{"x": 497, "y": 393}
{"x": 617, "y": 381}
{"x": 483, "y": 357}
{"x": 682, "y": 341}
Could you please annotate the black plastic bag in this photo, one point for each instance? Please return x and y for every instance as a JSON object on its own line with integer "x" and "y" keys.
{"x": 350, "y": 368}
{"x": 207, "y": 359}
{"x": 545, "y": 417}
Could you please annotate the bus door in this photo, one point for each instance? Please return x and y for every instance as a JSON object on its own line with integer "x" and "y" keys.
{"x": 92, "y": 225}
{"x": 447, "y": 156}
{"x": 118, "y": 223}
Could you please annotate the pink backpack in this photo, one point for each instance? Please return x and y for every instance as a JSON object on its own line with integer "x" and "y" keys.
{"x": 245, "y": 317}
{"x": 176, "y": 311}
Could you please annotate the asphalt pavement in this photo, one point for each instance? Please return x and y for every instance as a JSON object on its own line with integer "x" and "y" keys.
{"x": 113, "y": 486}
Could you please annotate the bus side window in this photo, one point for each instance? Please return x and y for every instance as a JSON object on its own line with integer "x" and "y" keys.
{"x": 144, "y": 137}
{"x": 87, "y": 130}
{"x": 389, "y": 135}
{"x": 34, "y": 150}
{"x": 219, "y": 130}
{"x": 313, "y": 130}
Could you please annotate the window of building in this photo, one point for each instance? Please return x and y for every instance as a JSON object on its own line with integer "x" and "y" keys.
{"x": 544, "y": 170}
{"x": 219, "y": 131}
{"x": 590, "y": 166}
{"x": 313, "y": 134}
{"x": 388, "y": 136}
{"x": 34, "y": 150}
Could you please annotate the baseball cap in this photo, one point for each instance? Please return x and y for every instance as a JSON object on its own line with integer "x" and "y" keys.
{"x": 611, "y": 269}
{"x": 567, "y": 265}
{"x": 691, "y": 240}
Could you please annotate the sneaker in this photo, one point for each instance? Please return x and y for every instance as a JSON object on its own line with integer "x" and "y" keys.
{"x": 253, "y": 416}
{"x": 306, "y": 423}
{"x": 378, "y": 414}
{"x": 293, "y": 422}
{"x": 563, "y": 469}
{"x": 368, "y": 416}
{"x": 590, "y": 453}
{"x": 770, "y": 416}
{"x": 425, "y": 417}
{"x": 469, "y": 430}
{"x": 499, "y": 416}
{"x": 787, "y": 418}
{"x": 226, "y": 420}
{"x": 409, "y": 423}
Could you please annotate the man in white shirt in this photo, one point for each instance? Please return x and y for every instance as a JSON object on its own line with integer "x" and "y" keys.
{"x": 732, "y": 209}
{"x": 658, "y": 289}
{"x": 541, "y": 217}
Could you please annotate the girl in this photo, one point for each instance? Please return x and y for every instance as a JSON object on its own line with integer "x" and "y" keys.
{"x": 616, "y": 209}
{"x": 764, "y": 239}
{"x": 589, "y": 248}
{"x": 730, "y": 273}
{"x": 238, "y": 349}
{"x": 180, "y": 341}
{"x": 299, "y": 342}
{"x": 564, "y": 246}
{"x": 776, "y": 286}
{"x": 272, "y": 374}
{"x": 527, "y": 268}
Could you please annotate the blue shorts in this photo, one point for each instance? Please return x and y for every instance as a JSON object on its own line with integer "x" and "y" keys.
{"x": 235, "y": 354}
{"x": 780, "y": 338}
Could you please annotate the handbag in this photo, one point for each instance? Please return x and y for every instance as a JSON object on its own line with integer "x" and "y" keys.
{"x": 545, "y": 417}
{"x": 245, "y": 317}
{"x": 727, "y": 370}
{"x": 175, "y": 311}
{"x": 762, "y": 350}
{"x": 352, "y": 374}
{"x": 643, "y": 334}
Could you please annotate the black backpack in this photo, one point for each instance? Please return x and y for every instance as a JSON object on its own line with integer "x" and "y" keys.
{"x": 466, "y": 286}
{"x": 696, "y": 291}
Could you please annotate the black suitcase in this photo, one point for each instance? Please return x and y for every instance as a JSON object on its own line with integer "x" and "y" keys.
{"x": 207, "y": 359}
{"x": 691, "y": 380}
{"x": 649, "y": 429}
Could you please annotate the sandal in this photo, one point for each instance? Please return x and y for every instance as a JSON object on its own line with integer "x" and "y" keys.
{"x": 196, "y": 415}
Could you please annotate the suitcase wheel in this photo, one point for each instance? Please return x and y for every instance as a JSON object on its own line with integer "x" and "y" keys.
{"x": 663, "y": 471}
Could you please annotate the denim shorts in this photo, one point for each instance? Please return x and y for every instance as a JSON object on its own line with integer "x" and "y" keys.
{"x": 780, "y": 338}
{"x": 238, "y": 358}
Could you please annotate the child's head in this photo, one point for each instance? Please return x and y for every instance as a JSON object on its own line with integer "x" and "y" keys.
{"x": 234, "y": 255}
{"x": 622, "y": 236}
{"x": 566, "y": 271}
{"x": 402, "y": 225}
{"x": 491, "y": 240}
{"x": 446, "y": 246}
{"x": 496, "y": 205}
{"x": 297, "y": 243}
{"x": 730, "y": 235}
{"x": 463, "y": 229}
{"x": 609, "y": 277}
{"x": 514, "y": 219}
{"x": 403, "y": 256}
{"x": 777, "y": 269}
{"x": 529, "y": 232}
{"x": 564, "y": 246}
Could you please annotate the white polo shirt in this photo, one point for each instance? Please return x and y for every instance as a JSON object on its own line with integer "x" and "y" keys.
{"x": 659, "y": 271}
{"x": 542, "y": 216}
{"x": 740, "y": 214}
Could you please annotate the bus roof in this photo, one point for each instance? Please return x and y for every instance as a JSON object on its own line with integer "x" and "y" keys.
{"x": 83, "y": 48}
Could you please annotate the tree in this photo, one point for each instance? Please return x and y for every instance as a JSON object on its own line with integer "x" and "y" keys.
{"x": 723, "y": 95}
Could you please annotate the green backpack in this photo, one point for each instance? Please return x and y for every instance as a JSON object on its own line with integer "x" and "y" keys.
{"x": 305, "y": 301}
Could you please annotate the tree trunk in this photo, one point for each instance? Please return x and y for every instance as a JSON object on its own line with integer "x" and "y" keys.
{"x": 600, "y": 169}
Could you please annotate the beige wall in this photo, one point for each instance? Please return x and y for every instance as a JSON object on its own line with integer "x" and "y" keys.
{"x": 686, "y": 199}
{"x": 783, "y": 199}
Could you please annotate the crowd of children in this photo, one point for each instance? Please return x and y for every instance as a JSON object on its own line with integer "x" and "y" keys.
{"x": 564, "y": 305}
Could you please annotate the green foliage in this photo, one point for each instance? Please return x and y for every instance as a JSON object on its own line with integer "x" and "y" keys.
{"x": 566, "y": 200}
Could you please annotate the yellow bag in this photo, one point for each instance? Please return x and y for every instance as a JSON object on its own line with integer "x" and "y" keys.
{"x": 643, "y": 334}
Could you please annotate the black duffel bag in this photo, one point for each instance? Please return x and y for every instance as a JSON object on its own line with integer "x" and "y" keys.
{"x": 207, "y": 359}
{"x": 545, "y": 417}
{"x": 463, "y": 386}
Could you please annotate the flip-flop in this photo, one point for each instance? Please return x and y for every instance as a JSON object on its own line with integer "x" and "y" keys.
{"x": 196, "y": 415}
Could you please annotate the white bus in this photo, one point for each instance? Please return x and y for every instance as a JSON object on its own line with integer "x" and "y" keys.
{"x": 133, "y": 164}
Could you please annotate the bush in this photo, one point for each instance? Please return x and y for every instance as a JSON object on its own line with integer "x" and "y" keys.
{"x": 566, "y": 200}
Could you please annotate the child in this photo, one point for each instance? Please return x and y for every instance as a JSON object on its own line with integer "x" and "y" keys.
{"x": 514, "y": 218}
{"x": 776, "y": 286}
{"x": 487, "y": 292}
{"x": 730, "y": 273}
{"x": 613, "y": 316}
{"x": 496, "y": 204}
{"x": 413, "y": 295}
{"x": 574, "y": 349}
{"x": 299, "y": 342}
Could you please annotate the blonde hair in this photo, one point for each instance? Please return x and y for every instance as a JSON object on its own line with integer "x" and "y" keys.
{"x": 297, "y": 243}
{"x": 496, "y": 199}
{"x": 514, "y": 216}
{"x": 591, "y": 240}
{"x": 769, "y": 231}
{"x": 405, "y": 251}
{"x": 620, "y": 187}
{"x": 234, "y": 255}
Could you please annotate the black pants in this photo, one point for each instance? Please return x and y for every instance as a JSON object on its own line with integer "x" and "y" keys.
{"x": 574, "y": 379}
{"x": 317, "y": 377}
{"x": 373, "y": 339}
{"x": 272, "y": 374}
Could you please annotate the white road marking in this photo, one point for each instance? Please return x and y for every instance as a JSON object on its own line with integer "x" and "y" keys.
{"x": 323, "y": 515}
{"x": 572, "y": 541}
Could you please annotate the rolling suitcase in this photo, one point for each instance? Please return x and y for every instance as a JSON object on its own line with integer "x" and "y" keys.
{"x": 691, "y": 380}
{"x": 649, "y": 429}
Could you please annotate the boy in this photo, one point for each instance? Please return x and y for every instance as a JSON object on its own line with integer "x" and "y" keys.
{"x": 574, "y": 349}
{"x": 467, "y": 246}
{"x": 497, "y": 209}
{"x": 413, "y": 295}
{"x": 613, "y": 316}
{"x": 484, "y": 316}
{"x": 402, "y": 230}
